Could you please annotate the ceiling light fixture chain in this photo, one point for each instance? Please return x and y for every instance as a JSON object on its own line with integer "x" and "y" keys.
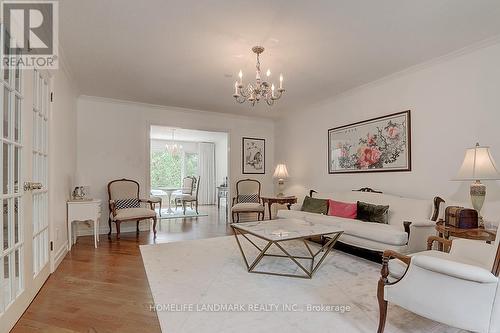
{"x": 261, "y": 89}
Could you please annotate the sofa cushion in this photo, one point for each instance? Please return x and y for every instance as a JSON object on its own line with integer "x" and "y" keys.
{"x": 313, "y": 205}
{"x": 372, "y": 213}
{"x": 377, "y": 232}
{"x": 342, "y": 209}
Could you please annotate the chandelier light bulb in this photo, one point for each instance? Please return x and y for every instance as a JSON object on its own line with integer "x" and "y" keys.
{"x": 254, "y": 92}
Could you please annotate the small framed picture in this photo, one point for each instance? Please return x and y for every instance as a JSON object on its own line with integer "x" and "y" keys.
{"x": 254, "y": 156}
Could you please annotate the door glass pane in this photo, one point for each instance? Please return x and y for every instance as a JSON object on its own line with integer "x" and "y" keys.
{"x": 17, "y": 272}
{"x": 5, "y": 112}
{"x": 17, "y": 119}
{"x": 6, "y": 163}
{"x": 17, "y": 168}
{"x": 6, "y": 280}
{"x": 17, "y": 76}
{"x": 5, "y": 224}
{"x": 6, "y": 53}
{"x": 17, "y": 231}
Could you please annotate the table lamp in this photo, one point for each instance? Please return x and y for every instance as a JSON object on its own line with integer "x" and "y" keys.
{"x": 478, "y": 165}
{"x": 281, "y": 173}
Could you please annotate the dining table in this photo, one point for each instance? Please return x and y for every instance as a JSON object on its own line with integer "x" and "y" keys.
{"x": 169, "y": 190}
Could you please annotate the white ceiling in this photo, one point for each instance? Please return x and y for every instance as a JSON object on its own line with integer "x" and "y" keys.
{"x": 179, "y": 53}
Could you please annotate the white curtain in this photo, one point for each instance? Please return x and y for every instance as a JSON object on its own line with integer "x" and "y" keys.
{"x": 206, "y": 165}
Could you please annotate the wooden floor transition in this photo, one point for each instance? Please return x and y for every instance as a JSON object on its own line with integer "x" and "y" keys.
{"x": 105, "y": 290}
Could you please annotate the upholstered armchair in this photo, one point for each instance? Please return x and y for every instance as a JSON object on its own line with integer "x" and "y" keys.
{"x": 188, "y": 193}
{"x": 125, "y": 205}
{"x": 459, "y": 288}
{"x": 247, "y": 199}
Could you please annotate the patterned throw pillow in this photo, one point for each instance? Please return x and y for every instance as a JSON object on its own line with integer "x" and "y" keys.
{"x": 248, "y": 198}
{"x": 373, "y": 213}
{"x": 127, "y": 203}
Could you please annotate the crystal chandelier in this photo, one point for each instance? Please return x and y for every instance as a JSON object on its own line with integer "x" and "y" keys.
{"x": 261, "y": 89}
{"x": 173, "y": 148}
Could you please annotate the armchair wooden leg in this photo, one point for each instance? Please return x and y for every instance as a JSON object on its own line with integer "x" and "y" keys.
{"x": 197, "y": 207}
{"x": 184, "y": 207}
{"x": 137, "y": 226}
{"x": 117, "y": 229}
{"x": 154, "y": 226}
{"x": 109, "y": 223}
{"x": 160, "y": 208}
{"x": 232, "y": 217}
{"x": 382, "y": 304}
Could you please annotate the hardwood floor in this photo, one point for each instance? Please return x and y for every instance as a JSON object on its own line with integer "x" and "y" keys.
{"x": 106, "y": 289}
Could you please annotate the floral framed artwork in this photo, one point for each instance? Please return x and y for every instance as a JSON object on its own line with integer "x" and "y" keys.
{"x": 376, "y": 145}
{"x": 253, "y": 156}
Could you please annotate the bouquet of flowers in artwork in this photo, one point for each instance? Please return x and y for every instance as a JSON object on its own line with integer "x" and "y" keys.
{"x": 377, "y": 145}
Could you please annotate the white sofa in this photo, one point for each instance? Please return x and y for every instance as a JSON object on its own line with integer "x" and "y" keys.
{"x": 376, "y": 236}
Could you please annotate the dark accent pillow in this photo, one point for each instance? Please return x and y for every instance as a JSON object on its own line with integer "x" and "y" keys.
{"x": 373, "y": 213}
{"x": 315, "y": 205}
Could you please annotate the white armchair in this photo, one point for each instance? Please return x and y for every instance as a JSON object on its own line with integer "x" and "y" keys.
{"x": 460, "y": 288}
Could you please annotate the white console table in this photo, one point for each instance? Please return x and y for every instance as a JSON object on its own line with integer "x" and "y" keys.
{"x": 83, "y": 211}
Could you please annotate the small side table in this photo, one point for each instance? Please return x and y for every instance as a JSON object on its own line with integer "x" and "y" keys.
{"x": 83, "y": 210}
{"x": 288, "y": 201}
{"x": 447, "y": 231}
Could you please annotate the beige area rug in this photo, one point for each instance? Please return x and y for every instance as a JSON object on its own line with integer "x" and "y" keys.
{"x": 203, "y": 286}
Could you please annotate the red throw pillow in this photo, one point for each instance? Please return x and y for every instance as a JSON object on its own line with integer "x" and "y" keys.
{"x": 342, "y": 209}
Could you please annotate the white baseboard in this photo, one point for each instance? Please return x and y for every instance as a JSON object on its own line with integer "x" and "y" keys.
{"x": 58, "y": 257}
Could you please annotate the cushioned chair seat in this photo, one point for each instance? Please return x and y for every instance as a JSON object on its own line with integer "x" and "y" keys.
{"x": 155, "y": 200}
{"x": 134, "y": 213}
{"x": 248, "y": 207}
{"x": 397, "y": 268}
{"x": 183, "y": 196}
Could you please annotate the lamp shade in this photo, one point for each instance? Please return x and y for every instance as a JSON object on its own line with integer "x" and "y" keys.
{"x": 478, "y": 164}
{"x": 280, "y": 172}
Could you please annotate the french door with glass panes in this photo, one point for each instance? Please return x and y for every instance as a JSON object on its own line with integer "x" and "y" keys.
{"x": 24, "y": 256}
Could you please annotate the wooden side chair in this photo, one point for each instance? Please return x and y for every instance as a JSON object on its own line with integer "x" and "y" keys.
{"x": 189, "y": 194}
{"x": 247, "y": 199}
{"x": 125, "y": 205}
{"x": 459, "y": 288}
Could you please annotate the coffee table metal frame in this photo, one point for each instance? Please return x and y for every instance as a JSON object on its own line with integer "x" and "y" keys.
{"x": 326, "y": 248}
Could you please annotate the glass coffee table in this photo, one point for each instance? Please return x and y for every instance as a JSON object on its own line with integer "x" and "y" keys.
{"x": 277, "y": 232}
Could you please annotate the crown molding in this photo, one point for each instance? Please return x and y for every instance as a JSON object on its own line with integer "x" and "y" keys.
{"x": 172, "y": 108}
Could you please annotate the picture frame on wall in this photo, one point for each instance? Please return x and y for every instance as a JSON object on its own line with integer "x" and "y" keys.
{"x": 381, "y": 144}
{"x": 253, "y": 156}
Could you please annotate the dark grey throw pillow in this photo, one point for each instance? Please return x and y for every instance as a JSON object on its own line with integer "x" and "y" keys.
{"x": 315, "y": 205}
{"x": 373, "y": 213}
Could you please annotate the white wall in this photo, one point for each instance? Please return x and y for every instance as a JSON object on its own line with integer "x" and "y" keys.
{"x": 454, "y": 103}
{"x": 113, "y": 141}
{"x": 62, "y": 158}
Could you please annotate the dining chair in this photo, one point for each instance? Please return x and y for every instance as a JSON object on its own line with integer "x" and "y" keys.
{"x": 189, "y": 194}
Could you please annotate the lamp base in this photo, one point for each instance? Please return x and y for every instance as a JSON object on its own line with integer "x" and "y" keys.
{"x": 477, "y": 196}
{"x": 281, "y": 187}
